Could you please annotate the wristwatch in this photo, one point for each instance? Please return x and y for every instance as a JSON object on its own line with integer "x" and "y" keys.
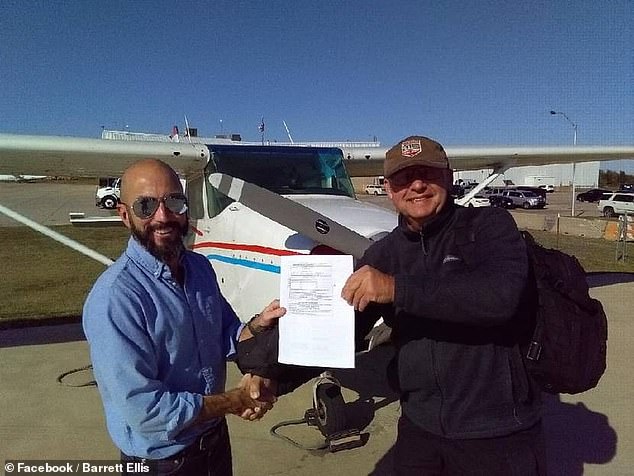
{"x": 254, "y": 327}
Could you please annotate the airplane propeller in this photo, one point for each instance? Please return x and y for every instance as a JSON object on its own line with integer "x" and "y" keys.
{"x": 291, "y": 214}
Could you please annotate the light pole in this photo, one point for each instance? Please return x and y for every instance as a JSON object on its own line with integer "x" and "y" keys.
{"x": 574, "y": 165}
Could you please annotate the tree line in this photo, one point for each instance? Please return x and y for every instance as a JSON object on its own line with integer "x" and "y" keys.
{"x": 613, "y": 180}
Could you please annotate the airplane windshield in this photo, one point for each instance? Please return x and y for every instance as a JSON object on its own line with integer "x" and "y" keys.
{"x": 285, "y": 170}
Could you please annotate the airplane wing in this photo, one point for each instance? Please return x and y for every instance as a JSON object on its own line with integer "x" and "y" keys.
{"x": 75, "y": 156}
{"x": 84, "y": 157}
{"x": 369, "y": 162}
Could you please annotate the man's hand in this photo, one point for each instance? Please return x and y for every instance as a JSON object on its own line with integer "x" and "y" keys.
{"x": 261, "y": 392}
{"x": 270, "y": 314}
{"x": 367, "y": 285}
{"x": 266, "y": 319}
{"x": 250, "y": 400}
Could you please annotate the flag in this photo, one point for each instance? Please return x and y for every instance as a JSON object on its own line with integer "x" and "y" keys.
{"x": 261, "y": 126}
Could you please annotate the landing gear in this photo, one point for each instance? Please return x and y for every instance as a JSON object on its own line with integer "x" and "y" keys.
{"x": 328, "y": 414}
{"x": 329, "y": 405}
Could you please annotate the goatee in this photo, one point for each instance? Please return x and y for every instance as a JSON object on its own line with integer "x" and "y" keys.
{"x": 166, "y": 251}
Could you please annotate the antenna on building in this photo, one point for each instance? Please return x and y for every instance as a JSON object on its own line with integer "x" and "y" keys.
{"x": 288, "y": 133}
{"x": 187, "y": 131}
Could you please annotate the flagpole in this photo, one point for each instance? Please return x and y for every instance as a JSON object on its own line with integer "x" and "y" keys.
{"x": 261, "y": 128}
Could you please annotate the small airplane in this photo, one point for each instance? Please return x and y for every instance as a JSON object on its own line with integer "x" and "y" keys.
{"x": 250, "y": 203}
{"x": 21, "y": 178}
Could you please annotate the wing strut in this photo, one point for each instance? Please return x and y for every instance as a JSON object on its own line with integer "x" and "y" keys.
{"x": 64, "y": 240}
{"x": 292, "y": 215}
{"x": 478, "y": 188}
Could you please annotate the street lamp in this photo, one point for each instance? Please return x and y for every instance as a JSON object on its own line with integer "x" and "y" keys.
{"x": 574, "y": 165}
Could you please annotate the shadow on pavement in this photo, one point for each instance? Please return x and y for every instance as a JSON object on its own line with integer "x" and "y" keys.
{"x": 575, "y": 435}
{"x": 41, "y": 334}
{"x": 599, "y": 279}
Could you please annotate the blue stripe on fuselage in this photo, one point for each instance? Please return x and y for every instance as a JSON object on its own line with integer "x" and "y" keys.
{"x": 271, "y": 268}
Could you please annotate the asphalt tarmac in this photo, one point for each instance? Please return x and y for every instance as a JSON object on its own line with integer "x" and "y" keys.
{"x": 45, "y": 420}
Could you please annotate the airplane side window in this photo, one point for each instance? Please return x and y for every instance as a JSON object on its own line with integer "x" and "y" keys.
{"x": 216, "y": 201}
{"x": 195, "y": 198}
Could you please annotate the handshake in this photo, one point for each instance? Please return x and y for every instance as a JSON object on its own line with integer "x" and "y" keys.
{"x": 252, "y": 398}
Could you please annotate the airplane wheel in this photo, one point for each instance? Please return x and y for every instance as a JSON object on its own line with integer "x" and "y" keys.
{"x": 331, "y": 415}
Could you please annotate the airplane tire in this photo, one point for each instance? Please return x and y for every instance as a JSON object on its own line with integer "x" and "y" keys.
{"x": 331, "y": 415}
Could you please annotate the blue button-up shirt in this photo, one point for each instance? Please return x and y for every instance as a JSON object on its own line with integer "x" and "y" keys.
{"x": 157, "y": 347}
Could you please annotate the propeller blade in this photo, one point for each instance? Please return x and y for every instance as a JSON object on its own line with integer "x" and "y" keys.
{"x": 297, "y": 217}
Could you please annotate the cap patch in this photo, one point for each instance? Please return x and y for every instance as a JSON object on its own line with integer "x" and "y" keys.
{"x": 411, "y": 148}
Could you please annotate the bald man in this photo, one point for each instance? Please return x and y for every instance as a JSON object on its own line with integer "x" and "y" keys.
{"x": 160, "y": 333}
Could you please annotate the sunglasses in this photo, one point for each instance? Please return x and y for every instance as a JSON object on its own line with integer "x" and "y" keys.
{"x": 409, "y": 174}
{"x": 145, "y": 207}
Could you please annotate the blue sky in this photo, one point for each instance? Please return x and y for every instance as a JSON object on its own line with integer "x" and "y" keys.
{"x": 465, "y": 73}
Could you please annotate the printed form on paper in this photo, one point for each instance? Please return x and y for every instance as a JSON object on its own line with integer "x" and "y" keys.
{"x": 318, "y": 327}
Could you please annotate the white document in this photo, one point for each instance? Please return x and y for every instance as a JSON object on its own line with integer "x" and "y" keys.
{"x": 318, "y": 327}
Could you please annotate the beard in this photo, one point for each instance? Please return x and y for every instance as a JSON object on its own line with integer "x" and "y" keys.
{"x": 167, "y": 250}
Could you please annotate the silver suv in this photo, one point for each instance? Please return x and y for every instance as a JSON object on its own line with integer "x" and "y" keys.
{"x": 525, "y": 199}
{"x": 617, "y": 203}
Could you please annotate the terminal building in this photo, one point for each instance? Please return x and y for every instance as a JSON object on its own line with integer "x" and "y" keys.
{"x": 586, "y": 174}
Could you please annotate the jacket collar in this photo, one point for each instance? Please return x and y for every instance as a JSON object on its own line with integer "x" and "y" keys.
{"x": 433, "y": 225}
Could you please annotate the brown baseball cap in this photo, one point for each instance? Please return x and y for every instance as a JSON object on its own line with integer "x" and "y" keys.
{"x": 414, "y": 150}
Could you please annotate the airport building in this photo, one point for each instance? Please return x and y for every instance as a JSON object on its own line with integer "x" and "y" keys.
{"x": 585, "y": 175}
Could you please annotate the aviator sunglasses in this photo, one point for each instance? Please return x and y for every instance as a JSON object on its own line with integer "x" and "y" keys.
{"x": 408, "y": 175}
{"x": 145, "y": 207}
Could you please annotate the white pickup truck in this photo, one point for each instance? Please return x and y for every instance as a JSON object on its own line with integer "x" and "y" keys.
{"x": 108, "y": 197}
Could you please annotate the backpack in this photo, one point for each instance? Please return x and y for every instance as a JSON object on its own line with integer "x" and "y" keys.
{"x": 567, "y": 350}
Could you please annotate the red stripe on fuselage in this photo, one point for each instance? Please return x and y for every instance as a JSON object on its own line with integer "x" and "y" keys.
{"x": 241, "y": 247}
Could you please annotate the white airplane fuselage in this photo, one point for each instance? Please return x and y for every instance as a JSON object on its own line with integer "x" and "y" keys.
{"x": 244, "y": 246}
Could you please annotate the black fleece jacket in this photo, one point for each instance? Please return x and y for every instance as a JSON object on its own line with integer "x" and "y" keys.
{"x": 462, "y": 305}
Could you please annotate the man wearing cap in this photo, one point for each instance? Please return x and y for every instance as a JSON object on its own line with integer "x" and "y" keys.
{"x": 452, "y": 283}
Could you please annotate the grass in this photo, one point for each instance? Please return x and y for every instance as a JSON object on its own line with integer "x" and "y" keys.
{"x": 45, "y": 280}
{"x": 595, "y": 254}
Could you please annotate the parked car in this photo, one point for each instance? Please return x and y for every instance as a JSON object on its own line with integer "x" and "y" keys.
{"x": 525, "y": 199}
{"x": 626, "y": 187}
{"x": 549, "y": 188}
{"x": 617, "y": 203}
{"x": 457, "y": 191}
{"x": 478, "y": 201}
{"x": 375, "y": 189}
{"x": 488, "y": 191}
{"x": 500, "y": 201}
{"x": 536, "y": 190}
{"x": 592, "y": 195}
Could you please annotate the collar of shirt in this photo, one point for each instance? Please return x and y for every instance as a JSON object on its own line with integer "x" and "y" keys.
{"x": 141, "y": 256}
